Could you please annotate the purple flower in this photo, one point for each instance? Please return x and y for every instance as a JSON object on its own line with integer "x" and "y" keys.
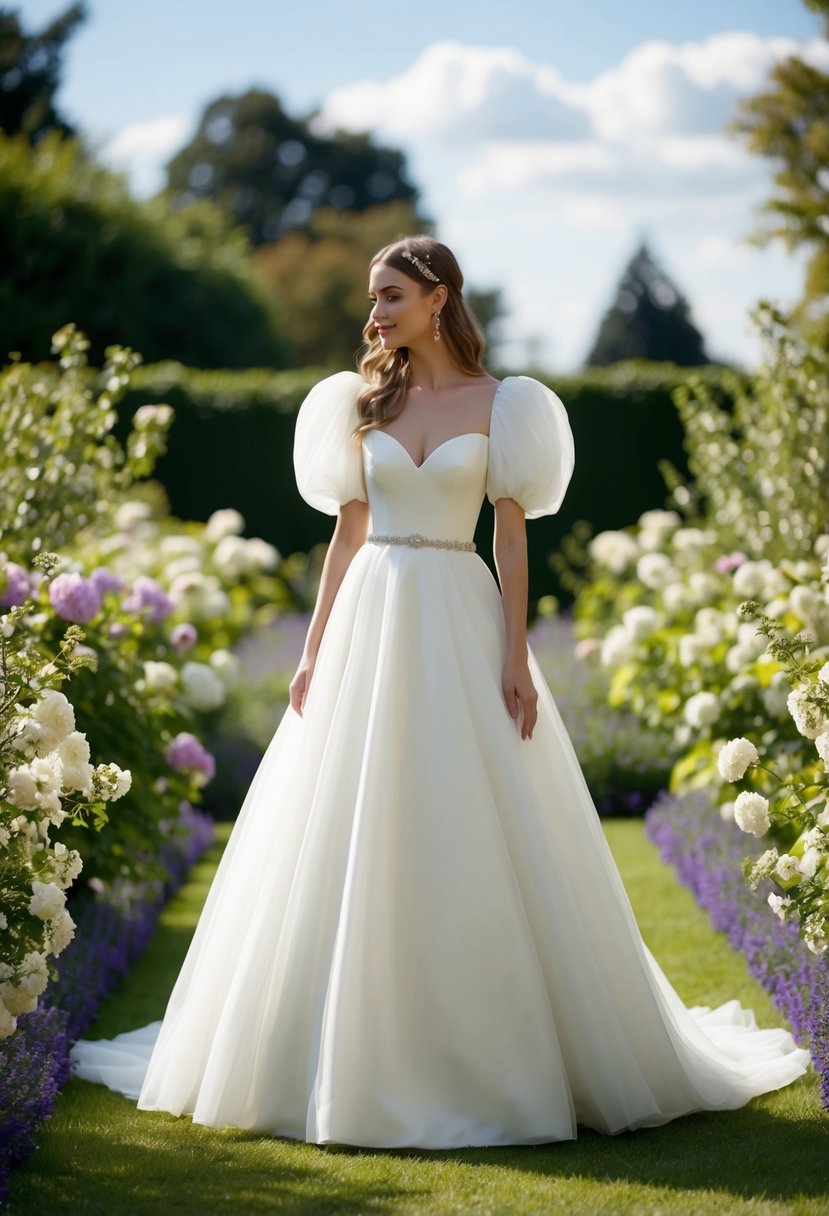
{"x": 729, "y": 562}
{"x": 74, "y": 598}
{"x": 17, "y": 586}
{"x": 104, "y": 580}
{"x": 186, "y": 754}
{"x": 147, "y": 593}
{"x": 118, "y": 630}
{"x": 183, "y": 636}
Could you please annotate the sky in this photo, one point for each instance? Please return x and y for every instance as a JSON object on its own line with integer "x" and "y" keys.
{"x": 547, "y": 140}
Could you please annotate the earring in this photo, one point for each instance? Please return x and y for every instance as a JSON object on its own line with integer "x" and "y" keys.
{"x": 436, "y": 324}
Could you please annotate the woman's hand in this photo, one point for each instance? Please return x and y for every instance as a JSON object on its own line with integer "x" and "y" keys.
{"x": 300, "y": 683}
{"x": 519, "y": 690}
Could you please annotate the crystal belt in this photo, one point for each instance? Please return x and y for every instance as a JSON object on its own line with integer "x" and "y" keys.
{"x": 417, "y": 541}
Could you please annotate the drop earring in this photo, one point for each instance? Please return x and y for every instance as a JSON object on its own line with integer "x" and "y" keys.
{"x": 436, "y": 324}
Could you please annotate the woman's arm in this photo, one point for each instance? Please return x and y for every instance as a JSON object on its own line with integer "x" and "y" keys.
{"x": 510, "y": 552}
{"x": 350, "y": 533}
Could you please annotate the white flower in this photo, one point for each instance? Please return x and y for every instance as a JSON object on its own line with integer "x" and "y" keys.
{"x": 692, "y": 649}
{"x": 225, "y": 522}
{"x": 775, "y": 695}
{"x": 55, "y": 715}
{"x": 809, "y": 862}
{"x": 160, "y": 677}
{"x": 701, "y": 587}
{"x": 22, "y": 787}
{"x": 112, "y": 782}
{"x": 807, "y": 717}
{"x": 263, "y": 555}
{"x": 691, "y": 540}
{"x": 4, "y": 923}
{"x": 727, "y": 810}
{"x": 787, "y": 867}
{"x": 814, "y": 933}
{"x": 748, "y": 580}
{"x": 805, "y": 603}
{"x": 780, "y": 904}
{"x": 655, "y": 570}
{"x": 823, "y": 674}
{"x": 131, "y": 513}
{"x": 203, "y": 690}
{"x": 701, "y": 710}
{"x": 231, "y": 556}
{"x": 735, "y": 757}
{"x": 616, "y": 647}
{"x": 62, "y": 932}
{"x": 660, "y": 521}
{"x": 74, "y": 756}
{"x": 47, "y": 900}
{"x": 710, "y": 625}
{"x": 674, "y": 599}
{"x": 616, "y": 550}
{"x": 640, "y": 622}
{"x": 226, "y": 666}
{"x": 751, "y": 813}
{"x": 775, "y": 583}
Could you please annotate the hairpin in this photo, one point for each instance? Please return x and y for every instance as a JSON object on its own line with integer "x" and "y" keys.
{"x": 425, "y": 270}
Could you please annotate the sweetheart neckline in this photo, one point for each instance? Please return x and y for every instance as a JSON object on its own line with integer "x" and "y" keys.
{"x": 463, "y": 434}
{"x": 446, "y": 442}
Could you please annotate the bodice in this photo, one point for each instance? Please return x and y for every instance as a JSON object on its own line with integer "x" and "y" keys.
{"x": 440, "y": 498}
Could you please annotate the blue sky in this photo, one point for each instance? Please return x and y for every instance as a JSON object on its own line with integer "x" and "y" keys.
{"x": 546, "y": 138}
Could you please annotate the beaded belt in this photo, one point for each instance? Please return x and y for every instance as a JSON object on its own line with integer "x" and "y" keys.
{"x": 415, "y": 539}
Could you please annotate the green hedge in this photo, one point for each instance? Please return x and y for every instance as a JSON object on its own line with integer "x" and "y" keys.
{"x": 231, "y": 445}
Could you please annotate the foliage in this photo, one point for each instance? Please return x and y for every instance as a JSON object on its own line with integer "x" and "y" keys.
{"x": 789, "y": 124}
{"x": 30, "y": 67}
{"x": 76, "y": 247}
{"x": 271, "y": 171}
{"x": 666, "y": 609}
{"x": 648, "y": 319}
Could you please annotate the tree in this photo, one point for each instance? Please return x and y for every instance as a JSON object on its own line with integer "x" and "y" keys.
{"x": 789, "y": 123}
{"x": 649, "y": 319}
{"x": 30, "y": 67}
{"x": 272, "y": 172}
{"x": 318, "y": 279}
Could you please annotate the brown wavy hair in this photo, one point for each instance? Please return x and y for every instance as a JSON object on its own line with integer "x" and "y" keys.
{"x": 386, "y": 372}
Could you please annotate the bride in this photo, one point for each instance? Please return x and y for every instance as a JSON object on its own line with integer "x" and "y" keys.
{"x": 417, "y": 935}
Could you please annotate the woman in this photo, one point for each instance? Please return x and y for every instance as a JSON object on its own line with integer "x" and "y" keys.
{"x": 417, "y": 935}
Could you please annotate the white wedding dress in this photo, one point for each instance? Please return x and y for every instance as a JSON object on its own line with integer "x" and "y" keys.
{"x": 417, "y": 935}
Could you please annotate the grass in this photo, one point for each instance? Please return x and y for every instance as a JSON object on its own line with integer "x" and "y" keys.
{"x": 100, "y": 1156}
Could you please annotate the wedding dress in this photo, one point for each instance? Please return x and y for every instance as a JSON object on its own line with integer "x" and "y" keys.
{"x": 417, "y": 935}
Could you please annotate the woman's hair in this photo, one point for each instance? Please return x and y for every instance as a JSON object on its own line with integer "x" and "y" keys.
{"x": 387, "y": 371}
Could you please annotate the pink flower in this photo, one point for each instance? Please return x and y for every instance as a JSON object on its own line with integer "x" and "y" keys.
{"x": 147, "y": 593}
{"x": 186, "y": 754}
{"x": 729, "y": 562}
{"x": 74, "y": 598}
{"x": 183, "y": 636}
{"x": 17, "y": 587}
{"x": 118, "y": 630}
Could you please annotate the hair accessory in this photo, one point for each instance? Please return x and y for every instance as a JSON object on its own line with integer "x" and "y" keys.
{"x": 425, "y": 270}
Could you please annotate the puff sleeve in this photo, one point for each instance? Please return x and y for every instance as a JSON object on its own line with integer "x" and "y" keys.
{"x": 328, "y": 461}
{"x": 531, "y": 451}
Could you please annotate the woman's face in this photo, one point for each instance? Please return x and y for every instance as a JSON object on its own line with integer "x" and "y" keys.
{"x": 401, "y": 311}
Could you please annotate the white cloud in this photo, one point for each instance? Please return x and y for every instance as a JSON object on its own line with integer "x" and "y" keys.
{"x": 142, "y": 148}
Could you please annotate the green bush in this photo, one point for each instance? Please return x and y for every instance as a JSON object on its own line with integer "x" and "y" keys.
{"x": 76, "y": 248}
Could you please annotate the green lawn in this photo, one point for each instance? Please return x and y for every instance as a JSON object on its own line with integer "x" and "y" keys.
{"x": 99, "y": 1154}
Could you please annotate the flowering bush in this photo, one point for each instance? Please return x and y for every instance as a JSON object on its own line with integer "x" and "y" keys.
{"x": 45, "y": 777}
{"x": 679, "y": 609}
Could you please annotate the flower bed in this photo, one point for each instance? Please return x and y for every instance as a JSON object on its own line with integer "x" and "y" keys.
{"x": 707, "y": 853}
{"x": 34, "y": 1062}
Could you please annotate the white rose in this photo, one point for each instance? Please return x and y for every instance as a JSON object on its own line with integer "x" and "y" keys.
{"x": 616, "y": 647}
{"x": 62, "y": 932}
{"x": 47, "y": 900}
{"x": 692, "y": 649}
{"x": 203, "y": 690}
{"x": 660, "y": 521}
{"x": 787, "y": 867}
{"x": 224, "y": 522}
{"x": 751, "y": 813}
{"x": 807, "y": 717}
{"x": 22, "y": 787}
{"x": 735, "y": 757}
{"x": 809, "y": 862}
{"x": 748, "y": 580}
{"x": 55, "y": 715}
{"x": 701, "y": 710}
{"x": 263, "y": 555}
{"x": 8, "y": 1024}
{"x": 805, "y": 603}
{"x": 727, "y": 810}
{"x": 231, "y": 556}
{"x": 160, "y": 677}
{"x": 640, "y": 622}
{"x": 74, "y": 756}
{"x": 655, "y": 570}
{"x": 823, "y": 674}
{"x": 616, "y": 550}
